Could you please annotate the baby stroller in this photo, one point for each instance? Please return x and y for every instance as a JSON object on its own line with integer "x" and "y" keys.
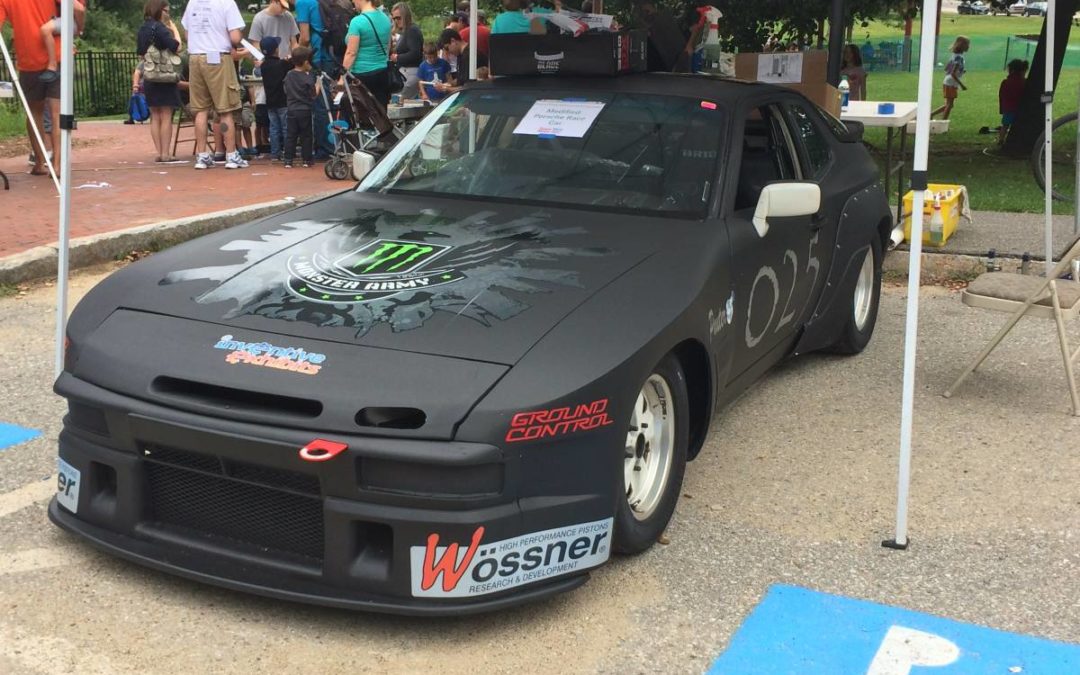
{"x": 356, "y": 127}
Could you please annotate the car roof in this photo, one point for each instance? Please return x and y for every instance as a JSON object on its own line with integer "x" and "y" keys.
{"x": 722, "y": 90}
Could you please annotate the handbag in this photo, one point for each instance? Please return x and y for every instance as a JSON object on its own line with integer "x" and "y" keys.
{"x": 160, "y": 66}
{"x": 395, "y": 80}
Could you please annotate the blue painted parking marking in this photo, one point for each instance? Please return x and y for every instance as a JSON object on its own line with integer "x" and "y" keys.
{"x": 12, "y": 435}
{"x": 799, "y": 631}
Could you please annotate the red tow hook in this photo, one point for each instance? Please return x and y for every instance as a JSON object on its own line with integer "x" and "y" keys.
{"x": 321, "y": 450}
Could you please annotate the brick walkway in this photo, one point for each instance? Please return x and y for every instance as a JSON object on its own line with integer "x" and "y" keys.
{"x": 138, "y": 190}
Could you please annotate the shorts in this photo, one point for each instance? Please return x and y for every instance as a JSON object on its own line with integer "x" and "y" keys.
{"x": 262, "y": 116}
{"x": 36, "y": 90}
{"x": 1007, "y": 119}
{"x": 950, "y": 92}
{"x": 247, "y": 117}
{"x": 213, "y": 87}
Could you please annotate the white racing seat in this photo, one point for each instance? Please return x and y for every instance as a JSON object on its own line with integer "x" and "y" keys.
{"x": 1020, "y": 295}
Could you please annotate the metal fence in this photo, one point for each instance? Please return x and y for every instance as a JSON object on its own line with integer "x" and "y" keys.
{"x": 103, "y": 82}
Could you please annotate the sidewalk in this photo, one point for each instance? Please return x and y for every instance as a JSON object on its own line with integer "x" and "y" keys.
{"x": 1010, "y": 234}
{"x": 117, "y": 185}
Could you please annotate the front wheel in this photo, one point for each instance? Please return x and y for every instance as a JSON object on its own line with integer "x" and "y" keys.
{"x": 1063, "y": 157}
{"x": 861, "y": 316}
{"x": 654, "y": 458}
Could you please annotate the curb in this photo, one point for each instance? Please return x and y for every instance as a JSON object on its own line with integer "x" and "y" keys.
{"x": 41, "y": 261}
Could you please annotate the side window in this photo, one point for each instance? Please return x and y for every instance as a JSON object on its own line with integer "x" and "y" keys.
{"x": 818, "y": 152}
{"x": 767, "y": 155}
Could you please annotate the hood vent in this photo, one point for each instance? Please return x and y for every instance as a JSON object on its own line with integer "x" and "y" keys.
{"x": 391, "y": 418}
{"x": 234, "y": 400}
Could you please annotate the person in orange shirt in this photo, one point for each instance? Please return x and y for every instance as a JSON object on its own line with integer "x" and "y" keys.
{"x": 26, "y": 18}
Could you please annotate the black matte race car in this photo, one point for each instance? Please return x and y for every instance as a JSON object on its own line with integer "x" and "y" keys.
{"x": 465, "y": 383}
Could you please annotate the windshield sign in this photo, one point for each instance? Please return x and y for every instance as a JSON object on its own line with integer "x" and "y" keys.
{"x": 615, "y": 152}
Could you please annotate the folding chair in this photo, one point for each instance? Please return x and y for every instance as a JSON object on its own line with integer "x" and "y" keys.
{"x": 1048, "y": 298}
{"x": 186, "y": 120}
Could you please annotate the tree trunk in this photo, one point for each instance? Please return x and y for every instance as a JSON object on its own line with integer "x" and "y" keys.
{"x": 1030, "y": 119}
{"x": 836, "y": 41}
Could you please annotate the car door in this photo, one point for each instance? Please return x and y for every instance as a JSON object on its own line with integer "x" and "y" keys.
{"x": 769, "y": 272}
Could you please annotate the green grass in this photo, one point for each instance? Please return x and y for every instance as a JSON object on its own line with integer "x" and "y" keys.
{"x": 994, "y": 183}
{"x": 12, "y": 122}
{"x": 974, "y": 27}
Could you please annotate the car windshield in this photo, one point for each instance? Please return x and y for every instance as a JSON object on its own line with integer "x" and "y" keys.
{"x": 613, "y": 152}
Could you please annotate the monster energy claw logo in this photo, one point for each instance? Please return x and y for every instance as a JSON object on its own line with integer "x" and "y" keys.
{"x": 379, "y": 269}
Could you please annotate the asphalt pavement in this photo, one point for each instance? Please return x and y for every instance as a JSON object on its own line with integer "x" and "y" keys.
{"x": 797, "y": 485}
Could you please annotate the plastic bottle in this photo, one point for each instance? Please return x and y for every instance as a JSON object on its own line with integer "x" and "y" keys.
{"x": 845, "y": 93}
{"x": 1025, "y": 264}
{"x": 992, "y": 262}
{"x": 937, "y": 224}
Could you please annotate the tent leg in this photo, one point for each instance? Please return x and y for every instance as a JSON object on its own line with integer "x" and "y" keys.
{"x": 1065, "y": 355}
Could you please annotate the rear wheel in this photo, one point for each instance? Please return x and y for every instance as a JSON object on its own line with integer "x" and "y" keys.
{"x": 863, "y": 304}
{"x": 654, "y": 458}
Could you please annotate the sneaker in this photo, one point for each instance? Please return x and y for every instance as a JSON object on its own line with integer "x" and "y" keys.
{"x": 235, "y": 161}
{"x": 288, "y": 164}
{"x": 307, "y": 165}
{"x": 204, "y": 161}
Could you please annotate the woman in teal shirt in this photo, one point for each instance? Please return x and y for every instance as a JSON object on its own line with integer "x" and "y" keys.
{"x": 367, "y": 50}
{"x": 513, "y": 20}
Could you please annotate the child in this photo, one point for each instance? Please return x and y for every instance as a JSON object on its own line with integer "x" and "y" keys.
{"x": 49, "y": 30}
{"x": 432, "y": 69}
{"x": 852, "y": 67}
{"x": 300, "y": 92}
{"x": 954, "y": 72}
{"x": 1009, "y": 95}
{"x": 273, "y": 71}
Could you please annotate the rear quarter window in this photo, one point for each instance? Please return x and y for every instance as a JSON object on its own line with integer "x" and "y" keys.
{"x": 818, "y": 149}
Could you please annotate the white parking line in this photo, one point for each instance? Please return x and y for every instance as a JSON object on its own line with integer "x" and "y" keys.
{"x": 27, "y": 495}
{"x": 34, "y": 559}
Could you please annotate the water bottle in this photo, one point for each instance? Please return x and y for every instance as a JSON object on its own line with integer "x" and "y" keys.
{"x": 845, "y": 93}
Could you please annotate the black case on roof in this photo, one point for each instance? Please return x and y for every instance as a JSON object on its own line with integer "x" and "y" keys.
{"x": 592, "y": 53}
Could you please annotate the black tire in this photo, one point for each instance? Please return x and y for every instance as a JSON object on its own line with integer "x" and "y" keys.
{"x": 341, "y": 170}
{"x": 854, "y": 339}
{"x": 328, "y": 168}
{"x": 1037, "y": 166}
{"x": 633, "y": 535}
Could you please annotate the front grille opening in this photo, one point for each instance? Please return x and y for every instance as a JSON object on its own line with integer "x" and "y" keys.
{"x": 235, "y": 514}
{"x": 430, "y": 480}
{"x": 87, "y": 418}
{"x": 235, "y": 400}
{"x": 391, "y": 418}
{"x": 183, "y": 458}
{"x": 373, "y": 551}
{"x": 280, "y": 478}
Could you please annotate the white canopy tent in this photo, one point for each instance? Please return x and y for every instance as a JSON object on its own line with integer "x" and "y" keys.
{"x": 927, "y": 79}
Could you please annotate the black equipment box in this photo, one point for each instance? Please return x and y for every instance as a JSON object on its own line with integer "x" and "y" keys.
{"x": 593, "y": 53}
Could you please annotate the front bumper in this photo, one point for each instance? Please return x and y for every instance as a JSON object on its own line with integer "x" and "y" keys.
{"x": 231, "y": 504}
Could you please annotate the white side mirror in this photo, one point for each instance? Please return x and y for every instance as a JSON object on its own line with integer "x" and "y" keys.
{"x": 786, "y": 200}
{"x": 362, "y": 163}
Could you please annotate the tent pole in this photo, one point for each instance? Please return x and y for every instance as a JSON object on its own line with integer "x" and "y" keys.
{"x": 67, "y": 124}
{"x": 1048, "y": 153}
{"x": 474, "y": 38}
{"x": 911, "y": 329}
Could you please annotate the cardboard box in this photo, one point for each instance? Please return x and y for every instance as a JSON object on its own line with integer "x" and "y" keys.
{"x": 554, "y": 54}
{"x": 804, "y": 72}
{"x": 783, "y": 68}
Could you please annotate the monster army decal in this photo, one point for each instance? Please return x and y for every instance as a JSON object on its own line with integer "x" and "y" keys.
{"x": 381, "y": 267}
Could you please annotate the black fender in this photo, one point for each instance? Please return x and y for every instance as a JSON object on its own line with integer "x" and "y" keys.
{"x": 865, "y": 215}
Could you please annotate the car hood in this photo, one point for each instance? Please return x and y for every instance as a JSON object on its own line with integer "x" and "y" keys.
{"x": 448, "y": 277}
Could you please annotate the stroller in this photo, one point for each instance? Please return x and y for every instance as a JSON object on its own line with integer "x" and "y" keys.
{"x": 353, "y": 106}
